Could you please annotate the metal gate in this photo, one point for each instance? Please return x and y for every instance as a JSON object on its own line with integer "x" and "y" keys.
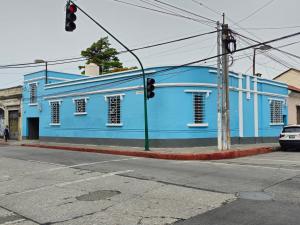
{"x": 1, "y": 122}
{"x": 13, "y": 121}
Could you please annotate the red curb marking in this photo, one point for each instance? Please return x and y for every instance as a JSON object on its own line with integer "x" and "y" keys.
{"x": 169, "y": 156}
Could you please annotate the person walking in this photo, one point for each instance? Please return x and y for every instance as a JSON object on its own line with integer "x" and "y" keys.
{"x": 6, "y": 133}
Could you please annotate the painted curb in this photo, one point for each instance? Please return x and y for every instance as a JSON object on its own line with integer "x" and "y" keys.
{"x": 159, "y": 155}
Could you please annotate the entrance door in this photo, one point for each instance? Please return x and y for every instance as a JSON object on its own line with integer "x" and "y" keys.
{"x": 33, "y": 128}
{"x": 13, "y": 122}
{"x": 1, "y": 122}
{"x": 298, "y": 114}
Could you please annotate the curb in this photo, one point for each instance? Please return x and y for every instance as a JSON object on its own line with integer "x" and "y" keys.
{"x": 168, "y": 156}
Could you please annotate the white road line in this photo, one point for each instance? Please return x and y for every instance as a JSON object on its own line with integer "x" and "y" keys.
{"x": 14, "y": 222}
{"x": 239, "y": 165}
{"x": 277, "y": 160}
{"x": 70, "y": 182}
{"x": 72, "y": 166}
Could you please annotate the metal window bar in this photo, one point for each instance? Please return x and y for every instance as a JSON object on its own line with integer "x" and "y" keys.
{"x": 80, "y": 106}
{"x": 199, "y": 108}
{"x": 276, "y": 108}
{"x": 114, "y": 110}
{"x": 55, "y": 113}
{"x": 33, "y": 93}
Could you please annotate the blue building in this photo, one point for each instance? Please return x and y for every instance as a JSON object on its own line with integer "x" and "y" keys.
{"x": 108, "y": 109}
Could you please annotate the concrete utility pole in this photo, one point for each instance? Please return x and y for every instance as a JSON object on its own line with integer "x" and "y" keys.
{"x": 220, "y": 81}
{"x": 225, "y": 92}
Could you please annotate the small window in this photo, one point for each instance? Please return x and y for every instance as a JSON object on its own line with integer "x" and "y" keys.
{"x": 114, "y": 110}
{"x": 33, "y": 93}
{"x": 80, "y": 106}
{"x": 276, "y": 107}
{"x": 55, "y": 108}
{"x": 199, "y": 108}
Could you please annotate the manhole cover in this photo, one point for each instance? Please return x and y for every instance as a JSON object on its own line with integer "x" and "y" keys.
{"x": 98, "y": 195}
{"x": 258, "y": 196}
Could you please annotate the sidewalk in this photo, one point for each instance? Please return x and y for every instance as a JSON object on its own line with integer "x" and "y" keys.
{"x": 189, "y": 153}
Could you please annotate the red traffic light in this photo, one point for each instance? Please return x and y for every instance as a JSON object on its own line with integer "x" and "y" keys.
{"x": 72, "y": 8}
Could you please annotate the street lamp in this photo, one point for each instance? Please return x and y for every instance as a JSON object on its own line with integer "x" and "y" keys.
{"x": 46, "y": 71}
{"x": 262, "y": 48}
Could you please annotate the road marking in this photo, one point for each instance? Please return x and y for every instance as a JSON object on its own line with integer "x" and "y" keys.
{"x": 233, "y": 164}
{"x": 14, "y": 222}
{"x": 68, "y": 183}
{"x": 276, "y": 160}
{"x": 72, "y": 166}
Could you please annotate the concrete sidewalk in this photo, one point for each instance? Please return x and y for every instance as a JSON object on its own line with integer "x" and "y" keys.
{"x": 189, "y": 153}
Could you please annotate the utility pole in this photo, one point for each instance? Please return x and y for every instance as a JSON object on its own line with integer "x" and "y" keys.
{"x": 220, "y": 81}
{"x": 225, "y": 86}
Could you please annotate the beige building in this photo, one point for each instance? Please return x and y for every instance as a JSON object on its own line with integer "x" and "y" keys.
{"x": 292, "y": 78}
{"x": 10, "y": 111}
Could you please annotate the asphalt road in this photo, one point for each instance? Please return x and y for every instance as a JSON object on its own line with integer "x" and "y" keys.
{"x": 42, "y": 186}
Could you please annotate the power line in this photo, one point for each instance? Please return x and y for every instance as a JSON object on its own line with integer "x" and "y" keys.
{"x": 272, "y": 28}
{"x": 256, "y": 11}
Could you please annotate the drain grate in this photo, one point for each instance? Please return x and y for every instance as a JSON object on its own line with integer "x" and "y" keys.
{"x": 98, "y": 195}
{"x": 258, "y": 196}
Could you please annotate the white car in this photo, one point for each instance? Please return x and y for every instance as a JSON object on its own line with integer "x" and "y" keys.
{"x": 290, "y": 137}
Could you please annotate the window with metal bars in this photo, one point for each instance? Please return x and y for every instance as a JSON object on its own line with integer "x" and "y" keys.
{"x": 114, "y": 110}
{"x": 199, "y": 108}
{"x": 55, "y": 108}
{"x": 276, "y": 108}
{"x": 33, "y": 93}
{"x": 80, "y": 105}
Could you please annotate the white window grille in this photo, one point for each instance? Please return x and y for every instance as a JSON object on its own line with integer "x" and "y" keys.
{"x": 55, "y": 108}
{"x": 80, "y": 105}
{"x": 276, "y": 108}
{"x": 33, "y": 93}
{"x": 114, "y": 109}
{"x": 199, "y": 108}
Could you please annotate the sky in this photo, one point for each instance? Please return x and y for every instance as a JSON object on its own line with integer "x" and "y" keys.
{"x": 34, "y": 29}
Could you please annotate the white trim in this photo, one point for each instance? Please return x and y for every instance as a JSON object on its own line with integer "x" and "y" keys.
{"x": 276, "y": 99}
{"x": 241, "y": 114}
{"x": 199, "y": 91}
{"x": 37, "y": 83}
{"x": 44, "y": 77}
{"x": 114, "y": 124}
{"x": 93, "y": 79}
{"x": 80, "y": 113}
{"x": 197, "y": 124}
{"x": 58, "y": 100}
{"x": 158, "y": 86}
{"x": 230, "y": 74}
{"x": 255, "y": 107}
{"x": 276, "y": 124}
{"x": 33, "y": 104}
{"x": 79, "y": 98}
{"x": 248, "y": 87}
{"x": 54, "y": 124}
{"x": 34, "y": 79}
{"x": 274, "y": 84}
{"x": 107, "y": 96}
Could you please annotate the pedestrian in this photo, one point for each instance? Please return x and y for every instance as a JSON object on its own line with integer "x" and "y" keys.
{"x": 6, "y": 133}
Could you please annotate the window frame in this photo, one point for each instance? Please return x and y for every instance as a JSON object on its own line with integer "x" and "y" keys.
{"x": 33, "y": 103}
{"x": 205, "y": 94}
{"x": 274, "y": 121}
{"x": 52, "y": 122}
{"x": 75, "y": 100}
{"x": 119, "y": 122}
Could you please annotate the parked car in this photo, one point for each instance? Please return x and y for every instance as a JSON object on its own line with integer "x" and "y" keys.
{"x": 290, "y": 137}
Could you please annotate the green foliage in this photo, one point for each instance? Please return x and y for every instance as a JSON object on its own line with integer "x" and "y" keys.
{"x": 103, "y": 56}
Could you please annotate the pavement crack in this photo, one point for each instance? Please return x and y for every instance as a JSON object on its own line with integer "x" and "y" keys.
{"x": 67, "y": 220}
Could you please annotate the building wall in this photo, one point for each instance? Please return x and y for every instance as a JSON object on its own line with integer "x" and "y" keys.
{"x": 10, "y": 100}
{"x": 170, "y": 112}
{"x": 291, "y": 77}
{"x": 293, "y": 102}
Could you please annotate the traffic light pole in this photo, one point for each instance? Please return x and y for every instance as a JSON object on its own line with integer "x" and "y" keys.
{"x": 142, "y": 68}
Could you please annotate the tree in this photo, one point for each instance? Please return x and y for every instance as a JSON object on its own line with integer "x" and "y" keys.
{"x": 103, "y": 56}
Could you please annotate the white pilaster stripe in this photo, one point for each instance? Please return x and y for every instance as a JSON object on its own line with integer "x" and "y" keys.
{"x": 255, "y": 107}
{"x": 241, "y": 115}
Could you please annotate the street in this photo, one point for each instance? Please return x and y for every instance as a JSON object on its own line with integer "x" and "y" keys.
{"x": 43, "y": 186}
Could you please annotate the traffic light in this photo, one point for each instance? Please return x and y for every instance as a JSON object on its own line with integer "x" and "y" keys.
{"x": 70, "y": 17}
{"x": 150, "y": 88}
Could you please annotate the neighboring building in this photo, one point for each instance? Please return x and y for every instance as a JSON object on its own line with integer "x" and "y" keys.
{"x": 10, "y": 111}
{"x": 108, "y": 109}
{"x": 292, "y": 78}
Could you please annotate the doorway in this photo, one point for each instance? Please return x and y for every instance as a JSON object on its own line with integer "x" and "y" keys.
{"x": 13, "y": 122}
{"x": 33, "y": 128}
{"x": 298, "y": 114}
{"x": 1, "y": 122}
